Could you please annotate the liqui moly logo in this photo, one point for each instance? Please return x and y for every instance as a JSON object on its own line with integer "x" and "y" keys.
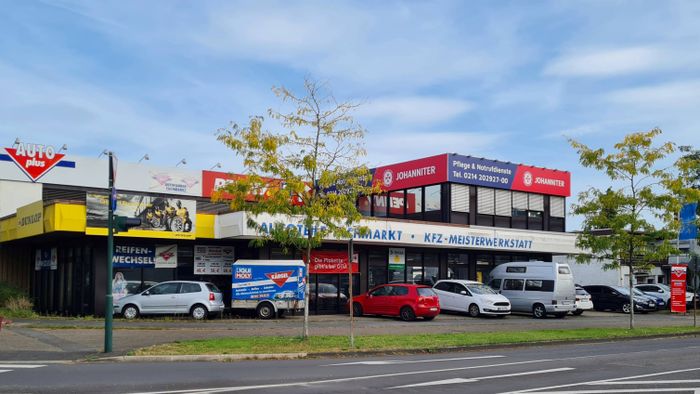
{"x": 35, "y": 160}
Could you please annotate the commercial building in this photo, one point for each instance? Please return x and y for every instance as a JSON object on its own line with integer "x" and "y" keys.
{"x": 444, "y": 216}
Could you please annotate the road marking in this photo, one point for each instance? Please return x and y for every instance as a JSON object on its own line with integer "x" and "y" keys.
{"x": 472, "y": 380}
{"x": 17, "y": 366}
{"x": 5, "y": 370}
{"x": 392, "y": 362}
{"x": 340, "y": 380}
{"x": 647, "y": 382}
{"x": 693, "y": 390}
{"x": 604, "y": 381}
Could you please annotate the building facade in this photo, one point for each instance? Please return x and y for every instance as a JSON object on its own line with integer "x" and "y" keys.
{"x": 444, "y": 216}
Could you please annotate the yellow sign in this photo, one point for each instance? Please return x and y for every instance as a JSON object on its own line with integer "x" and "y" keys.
{"x": 30, "y": 220}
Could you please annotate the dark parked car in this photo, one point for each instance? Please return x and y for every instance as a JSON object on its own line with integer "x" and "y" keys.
{"x": 617, "y": 298}
{"x": 407, "y": 301}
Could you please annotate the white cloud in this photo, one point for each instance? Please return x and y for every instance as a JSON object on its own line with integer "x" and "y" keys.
{"x": 414, "y": 109}
{"x": 622, "y": 61}
{"x": 677, "y": 95}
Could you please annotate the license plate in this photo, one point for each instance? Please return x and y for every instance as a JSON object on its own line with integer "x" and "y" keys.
{"x": 433, "y": 309}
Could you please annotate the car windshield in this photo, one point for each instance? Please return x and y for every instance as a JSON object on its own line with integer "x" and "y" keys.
{"x": 581, "y": 291}
{"x": 622, "y": 290}
{"x": 640, "y": 293}
{"x": 480, "y": 289}
{"x": 426, "y": 292}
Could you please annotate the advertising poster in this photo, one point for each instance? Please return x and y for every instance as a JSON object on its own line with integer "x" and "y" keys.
{"x": 30, "y": 219}
{"x": 397, "y": 258}
{"x": 213, "y": 259}
{"x": 46, "y": 259}
{"x": 166, "y": 256}
{"x": 332, "y": 262}
{"x": 160, "y": 217}
{"x": 678, "y": 278}
{"x": 129, "y": 256}
{"x": 119, "y": 288}
{"x": 689, "y": 229}
{"x": 413, "y": 173}
{"x": 276, "y": 282}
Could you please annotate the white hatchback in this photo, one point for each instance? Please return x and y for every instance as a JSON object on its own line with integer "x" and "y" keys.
{"x": 472, "y": 297}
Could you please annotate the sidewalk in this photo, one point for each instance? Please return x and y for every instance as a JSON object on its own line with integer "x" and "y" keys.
{"x": 74, "y": 339}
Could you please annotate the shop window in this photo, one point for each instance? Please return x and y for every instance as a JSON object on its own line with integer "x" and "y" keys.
{"x": 534, "y": 220}
{"x": 379, "y": 206}
{"x": 433, "y": 203}
{"x": 431, "y": 268}
{"x": 484, "y": 264}
{"x": 414, "y": 203}
{"x": 519, "y": 219}
{"x": 397, "y": 204}
{"x": 457, "y": 266}
{"x": 377, "y": 269}
{"x": 414, "y": 267}
{"x": 364, "y": 205}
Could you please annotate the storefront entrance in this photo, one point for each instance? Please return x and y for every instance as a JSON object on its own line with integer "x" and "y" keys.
{"x": 328, "y": 293}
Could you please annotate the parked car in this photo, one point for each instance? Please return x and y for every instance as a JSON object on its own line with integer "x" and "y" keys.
{"x": 663, "y": 291}
{"x": 583, "y": 301}
{"x": 405, "y": 300}
{"x": 472, "y": 297}
{"x": 659, "y": 302}
{"x": 536, "y": 287}
{"x": 198, "y": 299}
{"x": 616, "y": 298}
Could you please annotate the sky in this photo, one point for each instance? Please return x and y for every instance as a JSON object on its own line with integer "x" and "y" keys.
{"x": 506, "y": 80}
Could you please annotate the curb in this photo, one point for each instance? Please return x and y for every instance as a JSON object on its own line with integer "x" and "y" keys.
{"x": 207, "y": 357}
{"x": 351, "y": 354}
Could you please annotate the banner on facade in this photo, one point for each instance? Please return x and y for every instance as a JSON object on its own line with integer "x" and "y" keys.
{"x": 160, "y": 217}
{"x": 166, "y": 256}
{"x": 331, "y": 262}
{"x": 689, "y": 228}
{"x": 414, "y": 173}
{"x": 678, "y": 279}
{"x": 156, "y": 256}
{"x": 46, "y": 259}
{"x": 213, "y": 259}
{"x": 397, "y": 258}
{"x": 30, "y": 219}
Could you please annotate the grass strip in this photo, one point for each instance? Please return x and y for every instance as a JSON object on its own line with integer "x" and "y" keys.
{"x": 320, "y": 344}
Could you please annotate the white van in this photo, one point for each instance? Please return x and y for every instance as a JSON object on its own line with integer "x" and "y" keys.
{"x": 536, "y": 287}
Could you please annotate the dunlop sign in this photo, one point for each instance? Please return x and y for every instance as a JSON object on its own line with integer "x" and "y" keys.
{"x": 30, "y": 220}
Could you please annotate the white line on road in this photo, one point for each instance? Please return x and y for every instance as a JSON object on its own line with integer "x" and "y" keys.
{"x": 472, "y": 380}
{"x": 540, "y": 389}
{"x": 392, "y": 362}
{"x": 693, "y": 390}
{"x": 18, "y": 366}
{"x": 5, "y": 370}
{"x": 680, "y": 381}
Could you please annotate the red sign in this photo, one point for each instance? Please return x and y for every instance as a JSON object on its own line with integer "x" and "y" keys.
{"x": 414, "y": 173}
{"x": 214, "y": 180}
{"x": 34, "y": 160}
{"x": 542, "y": 180}
{"x": 280, "y": 278}
{"x": 331, "y": 262}
{"x": 678, "y": 277}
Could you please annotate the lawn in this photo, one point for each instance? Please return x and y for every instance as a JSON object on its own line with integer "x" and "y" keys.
{"x": 319, "y": 344}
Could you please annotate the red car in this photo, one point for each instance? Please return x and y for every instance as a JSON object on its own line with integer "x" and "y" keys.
{"x": 407, "y": 301}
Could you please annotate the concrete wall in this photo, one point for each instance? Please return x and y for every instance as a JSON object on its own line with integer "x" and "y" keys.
{"x": 594, "y": 274}
{"x": 16, "y": 194}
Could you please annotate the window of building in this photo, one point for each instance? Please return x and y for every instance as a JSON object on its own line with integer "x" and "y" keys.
{"x": 484, "y": 264}
{"x": 504, "y": 204}
{"x": 414, "y": 203}
{"x": 556, "y": 207}
{"x": 377, "y": 268}
{"x": 379, "y": 205}
{"x": 433, "y": 203}
{"x": 484, "y": 220}
{"x": 459, "y": 198}
{"x": 431, "y": 268}
{"x": 364, "y": 205}
{"x": 396, "y": 204}
{"x": 457, "y": 266}
{"x": 414, "y": 267}
{"x": 519, "y": 219}
{"x": 535, "y": 202}
{"x": 501, "y": 221}
{"x": 534, "y": 220}
{"x": 501, "y": 259}
{"x": 556, "y": 224}
{"x": 485, "y": 201}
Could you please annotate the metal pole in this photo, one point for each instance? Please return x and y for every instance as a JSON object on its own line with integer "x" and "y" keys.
{"x": 352, "y": 315}
{"x": 109, "y": 302}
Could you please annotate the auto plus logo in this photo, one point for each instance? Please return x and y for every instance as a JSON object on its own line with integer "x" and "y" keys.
{"x": 35, "y": 160}
{"x": 280, "y": 278}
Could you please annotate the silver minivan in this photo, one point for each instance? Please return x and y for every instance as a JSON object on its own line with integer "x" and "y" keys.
{"x": 198, "y": 299}
{"x": 536, "y": 287}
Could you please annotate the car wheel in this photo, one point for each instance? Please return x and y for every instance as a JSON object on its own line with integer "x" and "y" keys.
{"x": 474, "y": 310}
{"x": 407, "y": 314}
{"x": 265, "y": 311}
{"x": 130, "y": 312}
{"x": 626, "y": 307}
{"x": 199, "y": 312}
{"x": 577, "y": 312}
{"x": 538, "y": 311}
{"x": 356, "y": 309}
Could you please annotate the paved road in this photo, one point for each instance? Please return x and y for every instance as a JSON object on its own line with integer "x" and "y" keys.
{"x": 71, "y": 339}
{"x": 661, "y": 365}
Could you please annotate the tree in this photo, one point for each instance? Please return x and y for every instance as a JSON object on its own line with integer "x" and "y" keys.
{"x": 309, "y": 171}
{"x": 638, "y": 211}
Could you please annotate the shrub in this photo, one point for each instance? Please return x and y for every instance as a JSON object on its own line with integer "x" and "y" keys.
{"x": 14, "y": 302}
{"x": 8, "y": 291}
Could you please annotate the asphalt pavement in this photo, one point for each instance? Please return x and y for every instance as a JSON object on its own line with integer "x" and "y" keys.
{"x": 649, "y": 365}
{"x": 69, "y": 339}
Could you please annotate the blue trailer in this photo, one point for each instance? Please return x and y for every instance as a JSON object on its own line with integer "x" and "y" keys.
{"x": 270, "y": 287}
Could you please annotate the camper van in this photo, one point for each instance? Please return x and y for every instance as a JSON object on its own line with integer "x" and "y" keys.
{"x": 536, "y": 287}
